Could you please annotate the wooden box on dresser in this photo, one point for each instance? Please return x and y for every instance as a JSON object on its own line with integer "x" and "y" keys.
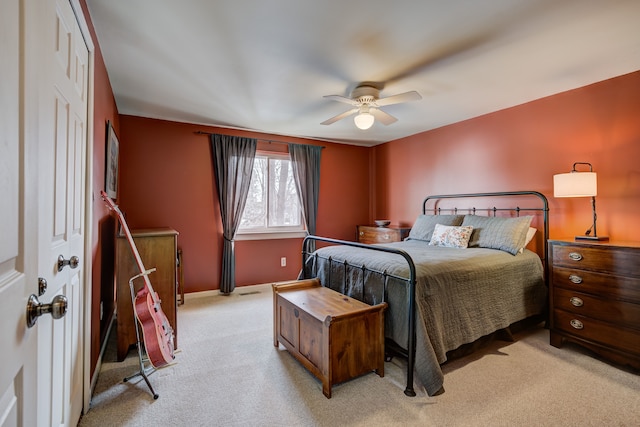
{"x": 371, "y": 234}
{"x": 158, "y": 249}
{"x": 595, "y": 297}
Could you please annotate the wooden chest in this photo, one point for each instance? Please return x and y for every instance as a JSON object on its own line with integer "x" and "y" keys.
{"x": 595, "y": 298}
{"x": 335, "y": 337}
{"x": 371, "y": 234}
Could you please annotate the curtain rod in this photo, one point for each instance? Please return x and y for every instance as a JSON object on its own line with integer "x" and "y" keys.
{"x": 200, "y": 132}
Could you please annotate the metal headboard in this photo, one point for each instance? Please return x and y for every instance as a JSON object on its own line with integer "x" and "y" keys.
{"x": 544, "y": 208}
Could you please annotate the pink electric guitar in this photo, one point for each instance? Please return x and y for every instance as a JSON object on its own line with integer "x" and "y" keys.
{"x": 156, "y": 330}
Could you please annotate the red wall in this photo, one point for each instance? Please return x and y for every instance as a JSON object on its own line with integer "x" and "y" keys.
{"x": 521, "y": 148}
{"x": 102, "y": 223}
{"x": 166, "y": 180}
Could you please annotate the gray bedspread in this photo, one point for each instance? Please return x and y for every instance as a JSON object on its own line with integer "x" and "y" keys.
{"x": 461, "y": 294}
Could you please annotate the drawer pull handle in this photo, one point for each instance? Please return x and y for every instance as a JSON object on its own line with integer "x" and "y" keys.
{"x": 575, "y": 279}
{"x": 296, "y": 312}
{"x": 576, "y": 302}
{"x": 576, "y": 324}
{"x": 386, "y": 237}
{"x": 362, "y": 233}
{"x": 575, "y": 256}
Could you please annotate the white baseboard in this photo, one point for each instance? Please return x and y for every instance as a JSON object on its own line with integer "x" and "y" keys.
{"x": 236, "y": 292}
{"x": 103, "y": 347}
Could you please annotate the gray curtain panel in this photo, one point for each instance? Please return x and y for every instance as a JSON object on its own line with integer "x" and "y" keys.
{"x": 306, "y": 172}
{"x": 233, "y": 158}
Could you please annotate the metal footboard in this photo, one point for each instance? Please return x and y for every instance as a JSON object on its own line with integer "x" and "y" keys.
{"x": 308, "y": 254}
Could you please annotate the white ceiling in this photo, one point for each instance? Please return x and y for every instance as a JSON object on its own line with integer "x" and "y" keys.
{"x": 265, "y": 65}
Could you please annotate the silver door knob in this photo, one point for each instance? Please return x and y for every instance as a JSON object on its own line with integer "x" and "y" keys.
{"x": 71, "y": 262}
{"x": 35, "y": 309}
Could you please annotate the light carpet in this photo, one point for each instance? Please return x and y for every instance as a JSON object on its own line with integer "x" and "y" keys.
{"x": 228, "y": 373}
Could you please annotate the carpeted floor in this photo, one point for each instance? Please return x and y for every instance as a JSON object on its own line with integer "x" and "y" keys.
{"x": 228, "y": 373}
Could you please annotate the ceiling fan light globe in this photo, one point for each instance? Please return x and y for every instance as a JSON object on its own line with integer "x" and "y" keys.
{"x": 364, "y": 121}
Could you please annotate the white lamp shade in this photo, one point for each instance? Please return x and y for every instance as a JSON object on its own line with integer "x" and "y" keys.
{"x": 363, "y": 121}
{"x": 575, "y": 184}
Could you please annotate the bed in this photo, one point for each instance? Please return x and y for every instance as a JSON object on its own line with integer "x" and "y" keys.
{"x": 462, "y": 274}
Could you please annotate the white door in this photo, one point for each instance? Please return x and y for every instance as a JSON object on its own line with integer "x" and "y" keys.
{"x": 18, "y": 239}
{"x": 44, "y": 105}
{"x": 63, "y": 119}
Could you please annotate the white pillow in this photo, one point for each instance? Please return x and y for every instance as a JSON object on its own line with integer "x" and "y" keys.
{"x": 530, "y": 233}
{"x": 451, "y": 236}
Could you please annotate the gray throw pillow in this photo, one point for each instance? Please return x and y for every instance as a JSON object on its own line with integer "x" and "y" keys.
{"x": 423, "y": 227}
{"x": 506, "y": 234}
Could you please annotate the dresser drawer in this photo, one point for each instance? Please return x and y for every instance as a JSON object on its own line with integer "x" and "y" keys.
{"x": 590, "y": 306}
{"x": 597, "y": 331}
{"x": 617, "y": 261}
{"x": 367, "y": 234}
{"x": 606, "y": 285}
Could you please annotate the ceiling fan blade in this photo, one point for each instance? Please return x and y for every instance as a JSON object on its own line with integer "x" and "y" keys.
{"x": 341, "y": 98}
{"x": 451, "y": 52}
{"x": 339, "y": 116}
{"x": 397, "y": 99}
{"x": 382, "y": 117}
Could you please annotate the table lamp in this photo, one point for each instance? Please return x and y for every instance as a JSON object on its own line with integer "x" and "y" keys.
{"x": 579, "y": 184}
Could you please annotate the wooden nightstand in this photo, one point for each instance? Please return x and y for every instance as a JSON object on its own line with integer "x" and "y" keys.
{"x": 372, "y": 234}
{"x": 595, "y": 297}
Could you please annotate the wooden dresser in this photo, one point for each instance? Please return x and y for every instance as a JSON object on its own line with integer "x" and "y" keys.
{"x": 371, "y": 234}
{"x": 158, "y": 249}
{"x": 334, "y": 336}
{"x": 595, "y": 297}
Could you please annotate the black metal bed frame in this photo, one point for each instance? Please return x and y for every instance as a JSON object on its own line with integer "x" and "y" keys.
{"x": 410, "y": 350}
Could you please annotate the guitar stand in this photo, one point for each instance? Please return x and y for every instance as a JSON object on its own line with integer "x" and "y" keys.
{"x": 143, "y": 371}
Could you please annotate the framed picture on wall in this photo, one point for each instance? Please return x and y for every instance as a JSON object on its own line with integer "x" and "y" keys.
{"x": 111, "y": 174}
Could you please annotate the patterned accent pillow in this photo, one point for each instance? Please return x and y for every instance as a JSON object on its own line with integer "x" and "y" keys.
{"x": 506, "y": 234}
{"x": 451, "y": 236}
{"x": 423, "y": 227}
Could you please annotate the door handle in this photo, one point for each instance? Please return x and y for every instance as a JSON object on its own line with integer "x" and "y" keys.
{"x": 71, "y": 262}
{"x": 35, "y": 309}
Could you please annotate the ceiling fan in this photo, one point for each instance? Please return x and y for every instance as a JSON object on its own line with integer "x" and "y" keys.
{"x": 366, "y": 101}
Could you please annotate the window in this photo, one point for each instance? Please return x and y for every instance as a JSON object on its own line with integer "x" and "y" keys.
{"x": 273, "y": 206}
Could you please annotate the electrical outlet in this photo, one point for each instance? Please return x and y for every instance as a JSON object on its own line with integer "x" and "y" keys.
{"x": 283, "y": 261}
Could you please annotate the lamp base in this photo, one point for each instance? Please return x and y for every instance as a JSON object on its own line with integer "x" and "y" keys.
{"x": 593, "y": 238}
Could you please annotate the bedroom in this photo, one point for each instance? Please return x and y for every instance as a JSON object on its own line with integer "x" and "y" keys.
{"x": 518, "y": 147}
